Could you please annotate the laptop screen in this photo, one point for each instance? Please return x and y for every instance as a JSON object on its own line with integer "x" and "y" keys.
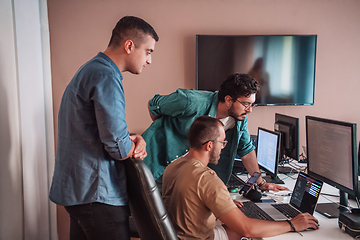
{"x": 306, "y": 193}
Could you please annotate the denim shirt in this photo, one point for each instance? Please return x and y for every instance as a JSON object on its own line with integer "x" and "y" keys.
{"x": 92, "y": 137}
{"x": 166, "y": 138}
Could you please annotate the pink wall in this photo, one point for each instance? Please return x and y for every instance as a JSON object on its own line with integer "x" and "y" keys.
{"x": 80, "y": 29}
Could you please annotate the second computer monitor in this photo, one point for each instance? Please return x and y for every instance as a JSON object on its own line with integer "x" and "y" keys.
{"x": 268, "y": 152}
{"x": 289, "y": 128}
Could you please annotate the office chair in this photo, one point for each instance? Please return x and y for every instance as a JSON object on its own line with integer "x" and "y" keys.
{"x": 147, "y": 209}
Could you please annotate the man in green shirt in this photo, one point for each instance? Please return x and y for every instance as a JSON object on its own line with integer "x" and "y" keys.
{"x": 173, "y": 115}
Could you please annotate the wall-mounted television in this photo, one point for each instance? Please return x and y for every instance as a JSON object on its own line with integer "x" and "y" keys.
{"x": 284, "y": 65}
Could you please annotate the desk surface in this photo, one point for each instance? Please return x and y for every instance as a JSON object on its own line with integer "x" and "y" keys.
{"x": 329, "y": 228}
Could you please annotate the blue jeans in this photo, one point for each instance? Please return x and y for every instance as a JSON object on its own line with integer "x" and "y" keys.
{"x": 95, "y": 221}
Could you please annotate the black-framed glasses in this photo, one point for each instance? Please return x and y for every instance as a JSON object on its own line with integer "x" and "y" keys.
{"x": 223, "y": 142}
{"x": 247, "y": 105}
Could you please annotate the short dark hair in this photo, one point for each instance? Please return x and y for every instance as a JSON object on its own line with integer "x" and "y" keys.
{"x": 133, "y": 28}
{"x": 238, "y": 85}
{"x": 203, "y": 129}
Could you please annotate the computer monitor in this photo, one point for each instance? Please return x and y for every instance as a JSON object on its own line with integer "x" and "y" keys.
{"x": 289, "y": 128}
{"x": 332, "y": 157}
{"x": 268, "y": 151}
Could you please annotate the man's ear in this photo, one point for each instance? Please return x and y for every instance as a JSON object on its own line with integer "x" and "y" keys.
{"x": 129, "y": 46}
{"x": 208, "y": 146}
{"x": 228, "y": 100}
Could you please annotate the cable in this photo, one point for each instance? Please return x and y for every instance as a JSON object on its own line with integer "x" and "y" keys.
{"x": 330, "y": 195}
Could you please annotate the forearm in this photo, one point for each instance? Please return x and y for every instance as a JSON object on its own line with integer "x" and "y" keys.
{"x": 262, "y": 229}
{"x": 251, "y": 164}
{"x": 110, "y": 118}
{"x": 253, "y": 228}
{"x": 174, "y": 104}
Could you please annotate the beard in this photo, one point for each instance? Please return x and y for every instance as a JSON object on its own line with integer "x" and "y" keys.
{"x": 232, "y": 113}
{"x": 214, "y": 157}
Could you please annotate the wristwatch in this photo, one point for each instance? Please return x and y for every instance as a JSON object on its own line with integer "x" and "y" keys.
{"x": 262, "y": 183}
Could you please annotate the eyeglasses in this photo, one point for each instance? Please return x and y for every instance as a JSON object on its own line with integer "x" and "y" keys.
{"x": 223, "y": 142}
{"x": 247, "y": 105}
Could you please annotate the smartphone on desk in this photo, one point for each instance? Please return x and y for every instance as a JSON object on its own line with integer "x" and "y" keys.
{"x": 249, "y": 183}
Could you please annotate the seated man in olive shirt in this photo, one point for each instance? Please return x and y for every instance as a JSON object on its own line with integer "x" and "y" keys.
{"x": 195, "y": 196}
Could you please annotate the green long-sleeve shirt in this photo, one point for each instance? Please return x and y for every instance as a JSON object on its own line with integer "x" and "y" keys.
{"x": 166, "y": 137}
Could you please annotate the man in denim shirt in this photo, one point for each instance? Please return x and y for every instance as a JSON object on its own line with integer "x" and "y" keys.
{"x": 89, "y": 178}
{"x": 173, "y": 115}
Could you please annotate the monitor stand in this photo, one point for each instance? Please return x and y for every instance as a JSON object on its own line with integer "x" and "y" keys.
{"x": 271, "y": 179}
{"x": 333, "y": 210}
{"x": 358, "y": 192}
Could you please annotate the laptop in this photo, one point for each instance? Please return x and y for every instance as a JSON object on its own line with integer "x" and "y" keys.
{"x": 303, "y": 199}
{"x": 234, "y": 182}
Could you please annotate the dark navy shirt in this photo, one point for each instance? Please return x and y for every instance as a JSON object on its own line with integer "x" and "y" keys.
{"x": 92, "y": 137}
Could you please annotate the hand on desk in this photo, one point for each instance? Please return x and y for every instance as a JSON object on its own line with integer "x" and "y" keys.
{"x": 238, "y": 204}
{"x": 273, "y": 187}
{"x": 304, "y": 221}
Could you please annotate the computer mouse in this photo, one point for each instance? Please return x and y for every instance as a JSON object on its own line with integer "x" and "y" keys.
{"x": 310, "y": 228}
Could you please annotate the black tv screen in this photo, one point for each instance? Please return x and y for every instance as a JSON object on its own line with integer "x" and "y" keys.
{"x": 284, "y": 65}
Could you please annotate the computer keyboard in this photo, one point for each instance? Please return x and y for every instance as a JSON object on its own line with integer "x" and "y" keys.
{"x": 251, "y": 210}
{"x": 235, "y": 182}
{"x": 286, "y": 209}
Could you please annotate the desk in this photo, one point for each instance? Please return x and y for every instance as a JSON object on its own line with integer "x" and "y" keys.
{"x": 329, "y": 228}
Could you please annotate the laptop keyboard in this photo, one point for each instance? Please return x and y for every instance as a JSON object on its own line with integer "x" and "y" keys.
{"x": 251, "y": 210}
{"x": 286, "y": 209}
{"x": 235, "y": 182}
